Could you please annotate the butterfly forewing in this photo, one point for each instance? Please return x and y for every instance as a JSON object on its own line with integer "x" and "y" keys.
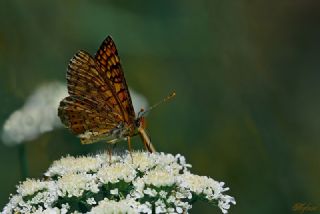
{"x": 84, "y": 80}
{"x": 109, "y": 62}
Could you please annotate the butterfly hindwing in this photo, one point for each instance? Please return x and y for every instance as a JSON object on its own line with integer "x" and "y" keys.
{"x": 79, "y": 116}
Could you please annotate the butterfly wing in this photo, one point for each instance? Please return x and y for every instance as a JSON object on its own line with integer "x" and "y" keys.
{"x": 92, "y": 110}
{"x": 109, "y": 63}
{"x": 83, "y": 119}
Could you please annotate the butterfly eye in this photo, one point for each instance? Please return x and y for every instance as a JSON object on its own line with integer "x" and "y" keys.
{"x": 140, "y": 113}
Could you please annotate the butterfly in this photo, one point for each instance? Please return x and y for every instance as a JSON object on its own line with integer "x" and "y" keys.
{"x": 99, "y": 106}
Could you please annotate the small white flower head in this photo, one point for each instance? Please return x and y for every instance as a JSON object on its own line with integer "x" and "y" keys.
{"x": 75, "y": 184}
{"x": 13, "y": 204}
{"x": 106, "y": 159}
{"x": 150, "y": 192}
{"x": 160, "y": 206}
{"x": 159, "y": 178}
{"x": 91, "y": 201}
{"x": 163, "y": 194}
{"x": 114, "y": 191}
{"x": 116, "y": 172}
{"x": 212, "y": 189}
{"x": 54, "y": 210}
{"x": 141, "y": 161}
{"x": 113, "y": 207}
{"x": 199, "y": 184}
{"x": 34, "y": 192}
{"x": 144, "y": 208}
{"x": 224, "y": 203}
{"x": 179, "y": 209}
{"x": 30, "y": 187}
{"x": 182, "y": 161}
{"x": 139, "y": 185}
{"x": 69, "y": 164}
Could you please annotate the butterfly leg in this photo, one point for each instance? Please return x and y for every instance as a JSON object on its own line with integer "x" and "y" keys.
{"x": 109, "y": 153}
{"x": 114, "y": 146}
{"x": 129, "y": 146}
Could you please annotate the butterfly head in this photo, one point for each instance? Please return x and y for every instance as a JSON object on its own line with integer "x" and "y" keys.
{"x": 140, "y": 121}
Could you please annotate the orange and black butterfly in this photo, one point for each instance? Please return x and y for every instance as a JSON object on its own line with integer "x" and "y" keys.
{"x": 99, "y": 105}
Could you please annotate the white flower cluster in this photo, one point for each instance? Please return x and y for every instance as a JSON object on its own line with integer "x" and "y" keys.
{"x": 141, "y": 183}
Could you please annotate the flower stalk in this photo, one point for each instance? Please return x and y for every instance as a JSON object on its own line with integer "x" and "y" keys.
{"x": 23, "y": 161}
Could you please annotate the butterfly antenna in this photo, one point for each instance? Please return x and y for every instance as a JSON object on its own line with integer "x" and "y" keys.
{"x": 143, "y": 112}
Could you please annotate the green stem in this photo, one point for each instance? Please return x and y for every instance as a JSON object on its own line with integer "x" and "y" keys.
{"x": 23, "y": 161}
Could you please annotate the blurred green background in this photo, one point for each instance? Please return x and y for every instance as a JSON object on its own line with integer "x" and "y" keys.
{"x": 246, "y": 73}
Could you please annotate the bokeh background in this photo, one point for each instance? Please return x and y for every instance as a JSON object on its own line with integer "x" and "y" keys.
{"x": 246, "y": 73}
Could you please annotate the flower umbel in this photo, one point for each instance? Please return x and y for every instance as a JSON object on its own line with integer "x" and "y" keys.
{"x": 148, "y": 183}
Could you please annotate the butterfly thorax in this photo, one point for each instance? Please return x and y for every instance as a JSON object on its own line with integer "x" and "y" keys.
{"x": 119, "y": 133}
{"x": 125, "y": 130}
